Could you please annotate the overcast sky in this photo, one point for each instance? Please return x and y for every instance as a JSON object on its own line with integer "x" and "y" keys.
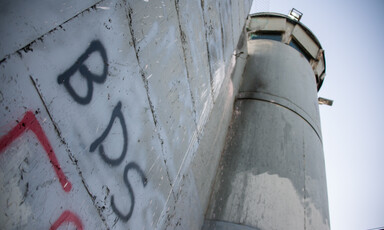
{"x": 352, "y": 35}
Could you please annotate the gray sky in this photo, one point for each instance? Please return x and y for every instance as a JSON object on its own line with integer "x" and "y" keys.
{"x": 352, "y": 35}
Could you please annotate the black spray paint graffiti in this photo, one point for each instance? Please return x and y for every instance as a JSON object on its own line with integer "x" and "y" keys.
{"x": 128, "y": 167}
{"x": 79, "y": 65}
{"x": 96, "y": 46}
{"x": 115, "y": 114}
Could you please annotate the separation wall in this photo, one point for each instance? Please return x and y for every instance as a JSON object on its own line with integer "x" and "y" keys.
{"x": 114, "y": 113}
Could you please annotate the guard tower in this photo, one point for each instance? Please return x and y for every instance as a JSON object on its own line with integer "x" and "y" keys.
{"x": 272, "y": 172}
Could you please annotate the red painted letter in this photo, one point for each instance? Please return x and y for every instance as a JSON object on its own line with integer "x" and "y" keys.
{"x": 67, "y": 216}
{"x": 30, "y": 122}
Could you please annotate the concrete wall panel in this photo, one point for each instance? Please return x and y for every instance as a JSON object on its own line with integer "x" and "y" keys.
{"x": 195, "y": 187}
{"x": 39, "y": 180}
{"x": 129, "y": 146}
{"x": 215, "y": 44}
{"x": 161, "y": 59}
{"x": 123, "y": 92}
{"x": 236, "y": 27}
{"x": 241, "y": 12}
{"x": 205, "y": 163}
{"x": 227, "y": 31}
{"x": 196, "y": 57}
{"x": 247, "y": 8}
{"x": 32, "y": 19}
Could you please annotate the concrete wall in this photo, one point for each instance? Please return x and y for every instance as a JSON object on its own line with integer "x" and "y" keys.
{"x": 114, "y": 113}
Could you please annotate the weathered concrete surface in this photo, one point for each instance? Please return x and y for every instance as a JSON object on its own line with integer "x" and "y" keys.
{"x": 32, "y": 195}
{"x": 25, "y": 21}
{"x": 272, "y": 173}
{"x": 196, "y": 57}
{"x": 159, "y": 48}
{"x": 287, "y": 92}
{"x": 109, "y": 112}
{"x": 205, "y": 161}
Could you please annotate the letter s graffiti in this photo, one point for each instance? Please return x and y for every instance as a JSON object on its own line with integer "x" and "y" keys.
{"x": 128, "y": 167}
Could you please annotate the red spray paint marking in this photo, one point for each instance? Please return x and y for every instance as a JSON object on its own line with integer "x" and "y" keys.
{"x": 67, "y": 216}
{"x": 30, "y": 122}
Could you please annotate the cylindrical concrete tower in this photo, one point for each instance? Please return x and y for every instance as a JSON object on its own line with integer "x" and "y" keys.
{"x": 272, "y": 172}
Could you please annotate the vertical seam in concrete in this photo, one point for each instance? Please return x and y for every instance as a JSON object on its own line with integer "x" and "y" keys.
{"x": 129, "y": 12}
{"x": 183, "y": 44}
{"x": 233, "y": 39}
{"x": 222, "y": 33}
{"x": 305, "y": 190}
{"x": 208, "y": 54}
{"x": 238, "y": 7}
{"x": 70, "y": 155}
